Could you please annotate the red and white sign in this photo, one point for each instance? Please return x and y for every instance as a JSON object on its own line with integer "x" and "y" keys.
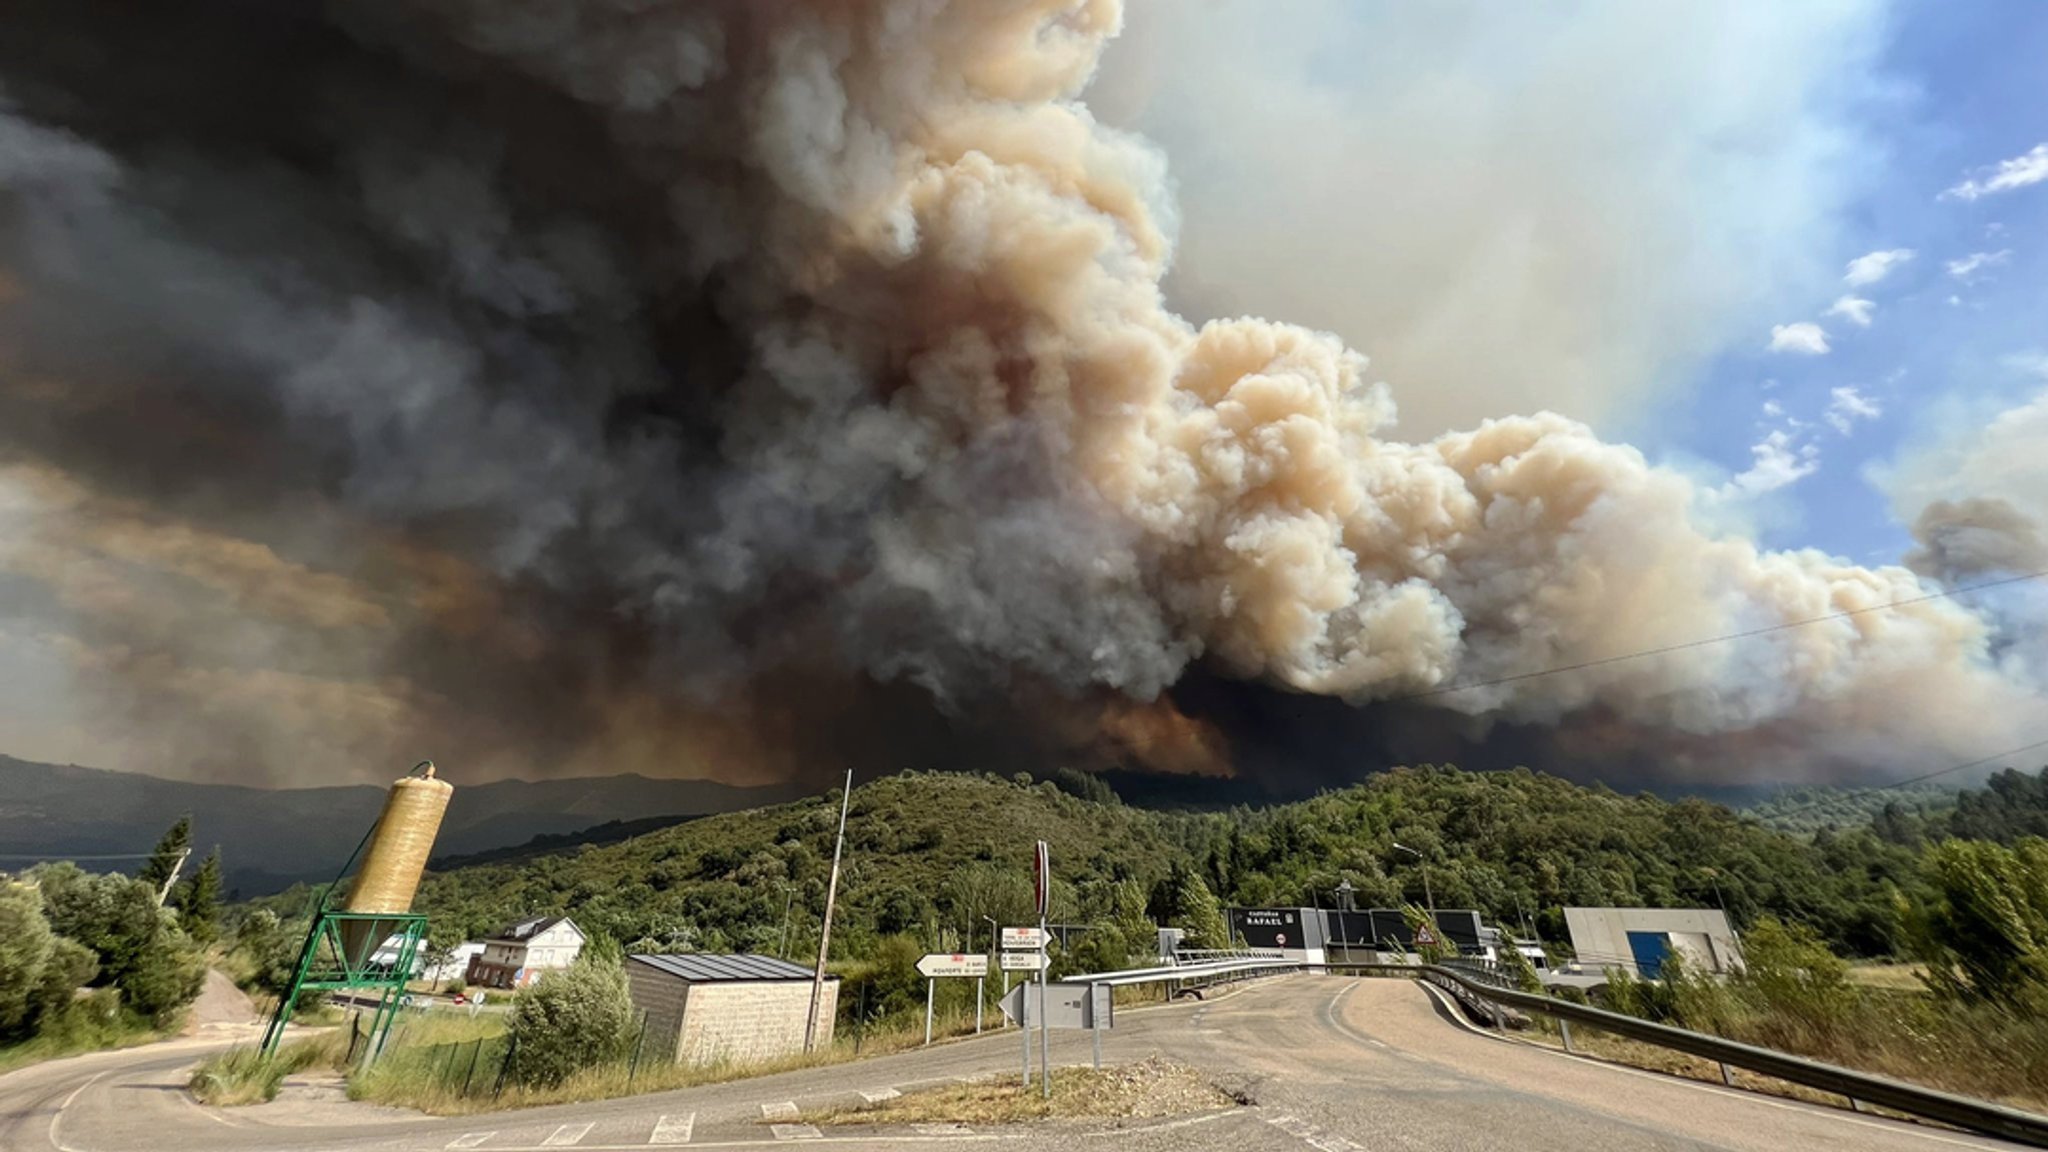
{"x": 952, "y": 964}
{"x": 1023, "y": 938}
{"x": 1424, "y": 938}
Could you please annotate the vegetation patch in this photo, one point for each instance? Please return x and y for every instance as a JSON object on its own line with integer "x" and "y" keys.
{"x": 1149, "y": 1089}
{"x": 245, "y": 1076}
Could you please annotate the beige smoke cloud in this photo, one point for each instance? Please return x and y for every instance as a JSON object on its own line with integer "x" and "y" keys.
{"x": 966, "y": 445}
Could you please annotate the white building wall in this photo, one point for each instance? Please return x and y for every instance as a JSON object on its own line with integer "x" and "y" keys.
{"x": 750, "y": 1021}
{"x": 1702, "y": 935}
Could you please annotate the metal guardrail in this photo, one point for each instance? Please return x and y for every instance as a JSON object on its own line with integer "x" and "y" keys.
{"x": 1205, "y": 973}
{"x": 1911, "y": 1099}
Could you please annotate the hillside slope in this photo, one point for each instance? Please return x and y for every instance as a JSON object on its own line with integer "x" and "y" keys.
{"x": 270, "y": 838}
{"x": 931, "y": 854}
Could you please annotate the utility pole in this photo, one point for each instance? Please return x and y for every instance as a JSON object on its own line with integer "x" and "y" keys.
{"x": 1426, "y": 893}
{"x": 782, "y": 941}
{"x": 825, "y": 933}
{"x": 171, "y": 881}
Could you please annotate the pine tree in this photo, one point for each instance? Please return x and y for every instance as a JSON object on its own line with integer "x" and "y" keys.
{"x": 163, "y": 863}
{"x": 199, "y": 900}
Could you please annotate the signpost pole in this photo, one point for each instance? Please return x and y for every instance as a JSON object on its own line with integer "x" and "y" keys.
{"x": 1043, "y": 871}
{"x": 1024, "y": 1028}
{"x": 929, "y": 984}
{"x": 1095, "y": 1022}
{"x": 980, "y": 982}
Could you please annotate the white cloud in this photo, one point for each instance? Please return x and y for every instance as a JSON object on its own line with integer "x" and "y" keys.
{"x": 2006, "y": 175}
{"x": 1804, "y": 337}
{"x": 1477, "y": 157}
{"x": 1847, "y": 405}
{"x": 2032, "y": 363}
{"x": 1773, "y": 409}
{"x": 1968, "y": 266}
{"x": 1854, "y": 309}
{"x": 1875, "y": 266}
{"x": 1776, "y": 461}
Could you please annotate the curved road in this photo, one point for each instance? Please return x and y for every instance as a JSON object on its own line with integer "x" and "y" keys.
{"x": 1331, "y": 1064}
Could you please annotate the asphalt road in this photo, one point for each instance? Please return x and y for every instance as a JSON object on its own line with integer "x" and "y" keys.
{"x": 1332, "y": 1064}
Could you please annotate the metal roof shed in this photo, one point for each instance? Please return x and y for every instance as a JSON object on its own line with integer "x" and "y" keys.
{"x": 703, "y": 1008}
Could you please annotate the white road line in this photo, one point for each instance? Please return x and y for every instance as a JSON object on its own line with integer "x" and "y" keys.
{"x": 567, "y": 1135}
{"x": 785, "y": 1110}
{"x": 673, "y": 1129}
{"x": 879, "y": 1095}
{"x": 795, "y": 1132}
{"x": 1310, "y": 1135}
{"x": 470, "y": 1139}
{"x": 942, "y": 1130}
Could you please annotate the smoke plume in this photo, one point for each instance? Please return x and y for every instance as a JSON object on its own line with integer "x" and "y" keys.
{"x": 740, "y": 388}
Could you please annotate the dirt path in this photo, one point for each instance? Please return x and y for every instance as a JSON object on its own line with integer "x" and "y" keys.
{"x": 220, "y": 1005}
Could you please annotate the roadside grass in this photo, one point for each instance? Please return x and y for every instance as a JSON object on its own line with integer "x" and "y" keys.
{"x": 93, "y": 1024}
{"x": 242, "y": 1076}
{"x": 414, "y": 1071}
{"x": 1891, "y": 977}
{"x": 1149, "y": 1089}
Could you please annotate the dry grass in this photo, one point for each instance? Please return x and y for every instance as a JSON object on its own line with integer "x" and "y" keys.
{"x": 1146, "y": 1090}
{"x": 242, "y": 1076}
{"x": 1892, "y": 977}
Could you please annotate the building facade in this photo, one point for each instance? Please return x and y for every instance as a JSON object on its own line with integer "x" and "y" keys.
{"x": 517, "y": 954}
{"x": 1636, "y": 940}
{"x": 743, "y": 1009}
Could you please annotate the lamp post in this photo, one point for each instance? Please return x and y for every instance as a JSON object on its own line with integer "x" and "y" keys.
{"x": 1426, "y": 893}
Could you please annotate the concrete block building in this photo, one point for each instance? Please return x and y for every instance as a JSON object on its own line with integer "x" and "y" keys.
{"x": 703, "y": 1009}
{"x": 517, "y": 954}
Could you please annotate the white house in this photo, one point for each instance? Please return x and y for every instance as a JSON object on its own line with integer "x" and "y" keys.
{"x": 517, "y": 954}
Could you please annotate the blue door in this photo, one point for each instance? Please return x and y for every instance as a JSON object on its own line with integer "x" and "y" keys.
{"x": 1649, "y": 949}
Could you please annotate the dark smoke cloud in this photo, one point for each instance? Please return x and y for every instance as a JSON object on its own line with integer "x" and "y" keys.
{"x": 749, "y": 388}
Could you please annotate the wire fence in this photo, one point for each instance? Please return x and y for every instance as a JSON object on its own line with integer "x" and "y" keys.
{"x": 487, "y": 1065}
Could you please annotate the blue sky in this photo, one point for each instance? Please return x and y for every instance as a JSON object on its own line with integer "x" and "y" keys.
{"x": 1955, "y": 330}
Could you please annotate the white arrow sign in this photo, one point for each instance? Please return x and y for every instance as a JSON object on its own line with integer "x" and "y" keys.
{"x": 1024, "y": 961}
{"x": 1022, "y": 938}
{"x": 952, "y": 964}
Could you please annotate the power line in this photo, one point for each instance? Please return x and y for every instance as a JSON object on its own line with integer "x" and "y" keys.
{"x": 1910, "y": 780}
{"x": 1944, "y": 594}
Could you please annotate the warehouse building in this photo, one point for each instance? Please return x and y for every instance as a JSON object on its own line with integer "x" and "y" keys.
{"x": 702, "y": 1009}
{"x": 1636, "y": 940}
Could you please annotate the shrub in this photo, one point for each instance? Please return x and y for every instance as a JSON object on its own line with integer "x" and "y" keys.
{"x": 1789, "y": 972}
{"x": 572, "y": 1019}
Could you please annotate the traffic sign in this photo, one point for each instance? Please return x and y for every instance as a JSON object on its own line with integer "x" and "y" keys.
{"x": 1041, "y": 877}
{"x": 952, "y": 964}
{"x": 1022, "y": 938}
{"x": 1024, "y": 961}
{"x": 1424, "y": 938}
{"x": 1073, "y": 1005}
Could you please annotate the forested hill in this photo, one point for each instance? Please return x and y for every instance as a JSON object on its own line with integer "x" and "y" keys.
{"x": 930, "y": 855}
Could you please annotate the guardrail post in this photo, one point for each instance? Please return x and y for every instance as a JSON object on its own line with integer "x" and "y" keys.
{"x": 1564, "y": 1029}
{"x": 1727, "y": 1077}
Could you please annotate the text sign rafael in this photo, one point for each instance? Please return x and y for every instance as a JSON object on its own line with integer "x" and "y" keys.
{"x": 1022, "y": 938}
{"x": 1023, "y": 961}
{"x": 1073, "y": 1005}
{"x": 952, "y": 964}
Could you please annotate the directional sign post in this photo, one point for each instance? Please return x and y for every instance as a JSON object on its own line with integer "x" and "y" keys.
{"x": 1023, "y": 961}
{"x": 1071, "y": 1005}
{"x": 1020, "y": 939}
{"x": 938, "y": 964}
{"x": 1041, "y": 876}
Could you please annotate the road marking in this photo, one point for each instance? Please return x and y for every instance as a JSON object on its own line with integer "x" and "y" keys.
{"x": 879, "y": 1095}
{"x": 673, "y": 1129}
{"x": 470, "y": 1139}
{"x": 942, "y": 1130}
{"x": 785, "y": 1110}
{"x": 568, "y": 1134}
{"x": 795, "y": 1132}
{"x": 1310, "y": 1135}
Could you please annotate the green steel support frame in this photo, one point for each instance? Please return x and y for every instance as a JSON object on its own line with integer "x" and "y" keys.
{"x": 325, "y": 965}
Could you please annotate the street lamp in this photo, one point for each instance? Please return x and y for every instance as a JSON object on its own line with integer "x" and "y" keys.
{"x": 993, "y": 931}
{"x": 1426, "y": 893}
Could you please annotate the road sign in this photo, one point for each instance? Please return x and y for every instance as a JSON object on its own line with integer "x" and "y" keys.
{"x": 1041, "y": 877}
{"x": 953, "y": 964}
{"x": 1024, "y": 961}
{"x": 1424, "y": 938}
{"x": 1073, "y": 1005}
{"x": 1018, "y": 939}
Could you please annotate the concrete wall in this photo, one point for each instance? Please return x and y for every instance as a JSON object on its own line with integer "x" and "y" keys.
{"x": 736, "y": 1021}
{"x": 1600, "y": 936}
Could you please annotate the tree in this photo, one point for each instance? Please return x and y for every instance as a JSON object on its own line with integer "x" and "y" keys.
{"x": 156, "y": 968}
{"x": 169, "y": 853}
{"x": 26, "y": 944}
{"x": 1187, "y": 903}
{"x": 572, "y": 1019}
{"x": 1986, "y": 935}
{"x": 198, "y": 901}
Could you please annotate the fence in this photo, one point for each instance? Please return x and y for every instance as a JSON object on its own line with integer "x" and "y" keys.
{"x": 1487, "y": 992}
{"x": 484, "y": 1066}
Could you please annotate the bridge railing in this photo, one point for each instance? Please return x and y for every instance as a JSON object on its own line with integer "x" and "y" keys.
{"x": 1488, "y": 993}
